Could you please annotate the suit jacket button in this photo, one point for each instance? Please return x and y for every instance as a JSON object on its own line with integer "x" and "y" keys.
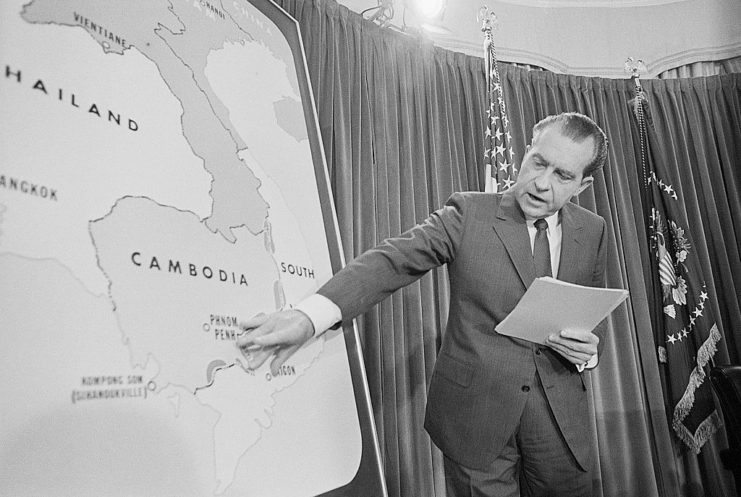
{"x": 525, "y": 388}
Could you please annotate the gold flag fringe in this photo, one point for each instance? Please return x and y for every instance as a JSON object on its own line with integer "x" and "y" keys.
{"x": 696, "y": 440}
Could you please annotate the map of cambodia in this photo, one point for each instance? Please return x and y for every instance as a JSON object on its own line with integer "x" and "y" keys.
{"x": 140, "y": 249}
{"x": 157, "y": 186}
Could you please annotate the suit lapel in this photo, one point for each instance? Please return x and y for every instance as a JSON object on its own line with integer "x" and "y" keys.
{"x": 572, "y": 232}
{"x": 510, "y": 226}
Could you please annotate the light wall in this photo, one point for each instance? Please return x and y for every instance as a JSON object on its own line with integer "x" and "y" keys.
{"x": 592, "y": 37}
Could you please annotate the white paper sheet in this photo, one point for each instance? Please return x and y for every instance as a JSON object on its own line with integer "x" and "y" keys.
{"x": 550, "y": 305}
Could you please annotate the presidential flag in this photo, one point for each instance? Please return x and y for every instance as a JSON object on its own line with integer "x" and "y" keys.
{"x": 685, "y": 328}
{"x": 500, "y": 171}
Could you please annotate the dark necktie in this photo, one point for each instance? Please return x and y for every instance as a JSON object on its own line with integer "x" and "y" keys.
{"x": 542, "y": 250}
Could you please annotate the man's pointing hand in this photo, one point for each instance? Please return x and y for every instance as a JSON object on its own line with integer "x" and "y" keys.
{"x": 280, "y": 334}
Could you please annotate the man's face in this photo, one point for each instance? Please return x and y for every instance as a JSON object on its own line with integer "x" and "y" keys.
{"x": 551, "y": 173}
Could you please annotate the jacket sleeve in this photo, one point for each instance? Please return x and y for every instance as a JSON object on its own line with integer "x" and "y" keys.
{"x": 398, "y": 261}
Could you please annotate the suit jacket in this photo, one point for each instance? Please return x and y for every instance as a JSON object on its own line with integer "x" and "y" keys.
{"x": 476, "y": 394}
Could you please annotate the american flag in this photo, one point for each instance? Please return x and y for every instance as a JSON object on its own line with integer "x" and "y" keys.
{"x": 685, "y": 328}
{"x": 500, "y": 170}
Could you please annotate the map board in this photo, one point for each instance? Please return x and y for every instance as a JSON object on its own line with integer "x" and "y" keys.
{"x": 162, "y": 178}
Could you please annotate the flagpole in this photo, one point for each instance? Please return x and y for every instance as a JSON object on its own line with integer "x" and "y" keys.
{"x": 488, "y": 19}
{"x": 634, "y": 67}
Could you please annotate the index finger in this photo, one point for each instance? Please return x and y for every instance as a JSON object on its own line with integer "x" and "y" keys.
{"x": 250, "y": 325}
{"x": 253, "y": 322}
{"x": 579, "y": 335}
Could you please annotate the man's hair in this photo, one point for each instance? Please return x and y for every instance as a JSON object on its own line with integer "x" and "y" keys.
{"x": 578, "y": 128}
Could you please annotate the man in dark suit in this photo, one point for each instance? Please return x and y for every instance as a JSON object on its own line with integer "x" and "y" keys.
{"x": 510, "y": 416}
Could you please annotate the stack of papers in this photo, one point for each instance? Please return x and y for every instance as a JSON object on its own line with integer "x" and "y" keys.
{"x": 550, "y": 305}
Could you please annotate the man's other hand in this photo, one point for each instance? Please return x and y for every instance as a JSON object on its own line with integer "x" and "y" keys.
{"x": 578, "y": 347}
{"x": 279, "y": 334}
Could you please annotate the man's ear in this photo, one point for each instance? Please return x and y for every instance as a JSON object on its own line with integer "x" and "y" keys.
{"x": 586, "y": 182}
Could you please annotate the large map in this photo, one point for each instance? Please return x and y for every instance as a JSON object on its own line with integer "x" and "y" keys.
{"x": 157, "y": 186}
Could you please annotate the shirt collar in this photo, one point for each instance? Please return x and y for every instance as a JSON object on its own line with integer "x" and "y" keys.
{"x": 553, "y": 221}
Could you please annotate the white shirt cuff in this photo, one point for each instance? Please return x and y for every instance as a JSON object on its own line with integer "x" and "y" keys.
{"x": 590, "y": 364}
{"x": 322, "y": 312}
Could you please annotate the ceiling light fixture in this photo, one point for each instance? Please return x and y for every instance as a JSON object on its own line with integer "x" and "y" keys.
{"x": 381, "y": 14}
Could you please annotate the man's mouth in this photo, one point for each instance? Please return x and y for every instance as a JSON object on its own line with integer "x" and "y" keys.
{"x": 536, "y": 198}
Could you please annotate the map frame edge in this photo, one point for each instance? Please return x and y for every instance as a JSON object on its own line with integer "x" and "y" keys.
{"x": 369, "y": 480}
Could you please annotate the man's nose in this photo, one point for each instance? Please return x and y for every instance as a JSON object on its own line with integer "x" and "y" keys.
{"x": 543, "y": 182}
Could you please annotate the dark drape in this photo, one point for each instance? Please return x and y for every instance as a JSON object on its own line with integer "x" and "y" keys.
{"x": 402, "y": 126}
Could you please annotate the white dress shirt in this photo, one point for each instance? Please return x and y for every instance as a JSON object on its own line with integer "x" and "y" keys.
{"x": 322, "y": 312}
